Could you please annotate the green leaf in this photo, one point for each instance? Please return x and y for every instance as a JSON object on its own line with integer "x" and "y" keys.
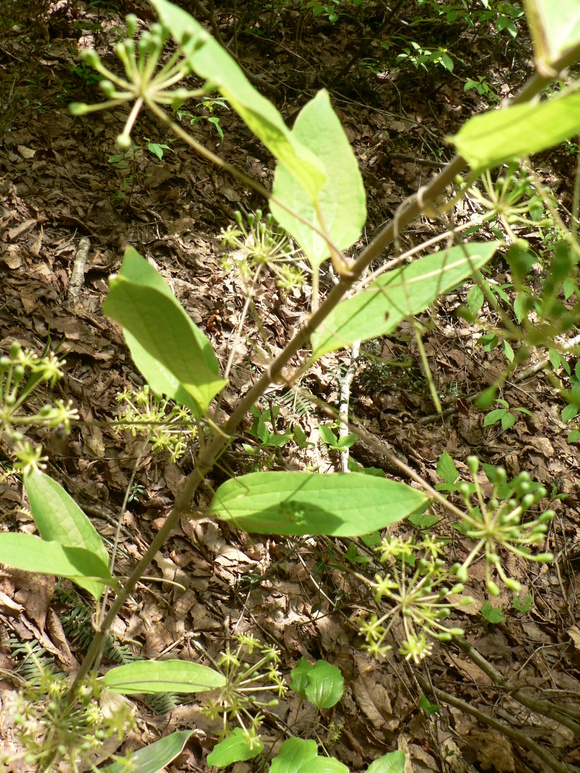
{"x": 508, "y": 420}
{"x": 60, "y": 519}
{"x": 393, "y": 762}
{"x": 501, "y": 135}
{"x": 325, "y": 685}
{"x": 569, "y": 412}
{"x": 299, "y": 677}
{"x": 492, "y": 614}
{"x": 475, "y": 300}
{"x": 153, "y": 758}
{"x": 423, "y": 521}
{"x": 214, "y": 65}
{"x": 327, "y": 435}
{"x": 151, "y": 676}
{"x": 525, "y": 605}
{"x": 172, "y": 353}
{"x": 300, "y": 503}
{"x": 555, "y": 29}
{"x": 235, "y": 748}
{"x": 32, "y": 554}
{"x": 446, "y": 468}
{"x": 298, "y": 756}
{"x": 399, "y": 294}
{"x": 340, "y": 209}
{"x": 426, "y": 705}
{"x": 494, "y": 416}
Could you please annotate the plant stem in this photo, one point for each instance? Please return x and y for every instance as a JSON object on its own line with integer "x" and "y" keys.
{"x": 405, "y": 215}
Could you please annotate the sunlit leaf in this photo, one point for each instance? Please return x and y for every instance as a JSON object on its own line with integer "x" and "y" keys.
{"x": 341, "y": 204}
{"x": 302, "y": 503}
{"x": 399, "y": 294}
{"x": 33, "y": 554}
{"x": 152, "y": 676}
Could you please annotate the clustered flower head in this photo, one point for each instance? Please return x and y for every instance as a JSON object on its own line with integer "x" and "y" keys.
{"x": 418, "y": 590}
{"x": 498, "y": 524}
{"x": 21, "y": 373}
{"x": 241, "y": 699}
{"x": 261, "y": 243}
{"x": 170, "y": 427}
{"x": 144, "y": 82}
{"x": 421, "y": 591}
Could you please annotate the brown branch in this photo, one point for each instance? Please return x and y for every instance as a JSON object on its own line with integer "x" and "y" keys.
{"x": 510, "y": 732}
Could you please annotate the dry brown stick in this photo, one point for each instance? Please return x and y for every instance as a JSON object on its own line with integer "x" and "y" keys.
{"x": 546, "y": 708}
{"x": 510, "y": 732}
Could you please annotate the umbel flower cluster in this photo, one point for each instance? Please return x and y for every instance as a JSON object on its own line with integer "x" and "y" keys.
{"x": 418, "y": 589}
{"x": 21, "y": 373}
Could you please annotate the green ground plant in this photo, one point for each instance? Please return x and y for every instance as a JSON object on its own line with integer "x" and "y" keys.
{"x": 318, "y": 200}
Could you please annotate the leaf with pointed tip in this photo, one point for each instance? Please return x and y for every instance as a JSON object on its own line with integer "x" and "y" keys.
{"x": 33, "y": 554}
{"x": 399, "y": 294}
{"x": 173, "y": 354}
{"x": 153, "y": 758}
{"x": 340, "y": 209}
{"x": 60, "y": 519}
{"x": 155, "y": 676}
{"x": 300, "y": 503}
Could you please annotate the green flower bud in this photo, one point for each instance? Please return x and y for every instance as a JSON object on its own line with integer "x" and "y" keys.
{"x": 540, "y": 493}
{"x": 131, "y": 21}
{"x": 460, "y": 571}
{"x": 547, "y": 516}
{"x": 444, "y": 636}
{"x": 78, "y": 108}
{"x": 492, "y": 588}
{"x": 108, "y": 88}
{"x": 473, "y": 464}
{"x": 466, "y": 600}
{"x": 464, "y": 489}
{"x": 528, "y": 501}
{"x": 90, "y": 57}
{"x": 512, "y": 585}
{"x": 492, "y": 558}
{"x": 458, "y": 588}
{"x": 544, "y": 558}
{"x": 15, "y": 350}
{"x": 500, "y": 476}
{"x": 456, "y": 631}
{"x": 124, "y": 141}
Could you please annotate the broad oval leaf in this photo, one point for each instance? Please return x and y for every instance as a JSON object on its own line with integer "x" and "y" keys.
{"x": 212, "y": 63}
{"x": 298, "y": 756}
{"x": 500, "y": 135}
{"x": 393, "y": 762}
{"x": 152, "y": 676}
{"x": 325, "y": 685}
{"x": 60, "y": 519}
{"x": 341, "y": 202}
{"x": 399, "y": 294}
{"x": 235, "y": 748}
{"x": 33, "y": 554}
{"x": 153, "y": 758}
{"x": 300, "y": 503}
{"x": 294, "y": 753}
{"x": 554, "y": 28}
{"x": 179, "y": 358}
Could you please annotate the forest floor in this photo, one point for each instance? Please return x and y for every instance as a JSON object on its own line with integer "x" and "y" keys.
{"x": 62, "y": 180}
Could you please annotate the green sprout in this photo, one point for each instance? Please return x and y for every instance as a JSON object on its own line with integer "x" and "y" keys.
{"x": 498, "y": 524}
{"x": 144, "y": 84}
{"x": 260, "y": 243}
{"x": 417, "y": 587}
